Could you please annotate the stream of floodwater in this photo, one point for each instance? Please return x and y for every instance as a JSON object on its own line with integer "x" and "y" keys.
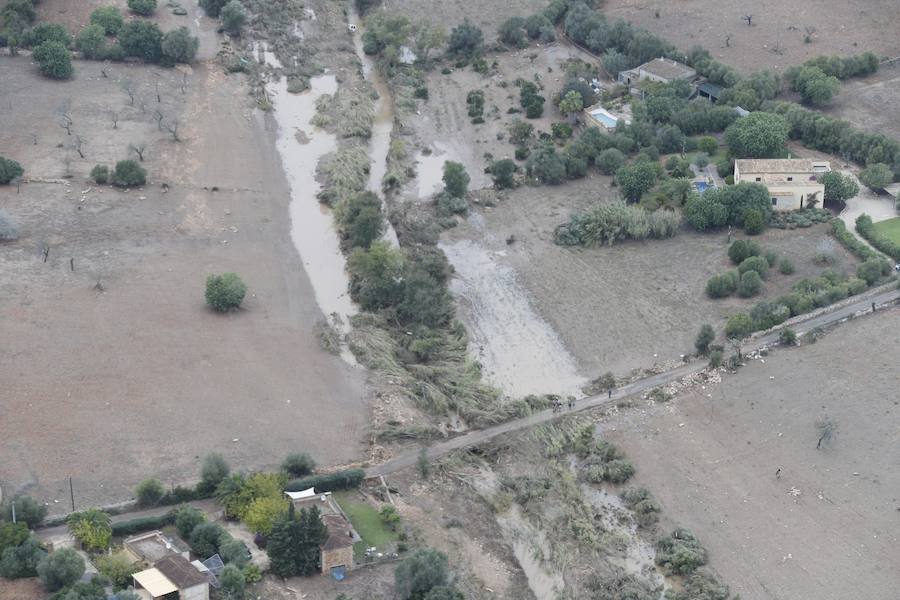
{"x": 380, "y": 140}
{"x": 301, "y": 146}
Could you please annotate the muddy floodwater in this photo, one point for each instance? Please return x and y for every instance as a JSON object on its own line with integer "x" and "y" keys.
{"x": 380, "y": 140}
{"x": 300, "y": 146}
{"x": 518, "y": 350}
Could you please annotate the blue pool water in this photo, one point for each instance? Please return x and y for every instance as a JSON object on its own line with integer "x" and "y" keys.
{"x": 702, "y": 186}
{"x": 608, "y": 121}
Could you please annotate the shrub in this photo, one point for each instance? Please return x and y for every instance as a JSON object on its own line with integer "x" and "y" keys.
{"x": 100, "y": 174}
{"x": 866, "y": 229}
{"x": 561, "y": 131}
{"x": 725, "y": 168}
{"x": 390, "y": 517}
{"x": 785, "y": 266}
{"x": 740, "y": 250}
{"x": 141, "y": 39}
{"x": 646, "y": 509}
{"x": 232, "y": 583}
{"x": 179, "y": 46}
{"x": 91, "y": 41}
{"x": 766, "y": 314}
{"x": 609, "y": 161}
{"x": 144, "y": 8}
{"x": 723, "y": 284}
{"x": 109, "y": 18}
{"x": 12, "y": 535}
{"x": 872, "y": 270}
{"x": 129, "y": 174}
{"x": 787, "y": 337}
{"x": 704, "y": 339}
{"x": 28, "y": 511}
{"x": 502, "y": 172}
{"x": 298, "y": 464}
{"x": 60, "y": 569}
{"x": 225, "y": 292}
{"x": 448, "y": 205}
{"x": 708, "y": 144}
{"x": 680, "y": 553}
{"x": 212, "y": 7}
{"x": 213, "y": 471}
{"x": 54, "y": 60}
{"x": 475, "y": 103}
{"x": 234, "y": 552}
{"x": 421, "y": 572}
{"x": 704, "y": 212}
{"x": 466, "y": 40}
{"x": 329, "y": 482}
{"x": 149, "y": 492}
{"x": 234, "y": 15}
{"x": 754, "y": 222}
{"x": 118, "y": 568}
{"x": 186, "y": 519}
{"x": 749, "y": 285}
{"x": 607, "y": 223}
{"x": 46, "y": 32}
{"x": 205, "y": 539}
{"x": 754, "y": 263}
{"x": 22, "y": 560}
{"x": 876, "y": 176}
{"x": 456, "y": 180}
{"x": 9, "y": 170}
{"x": 618, "y": 470}
{"x": 738, "y": 326}
{"x": 715, "y": 359}
{"x": 362, "y": 220}
{"x": 132, "y": 526}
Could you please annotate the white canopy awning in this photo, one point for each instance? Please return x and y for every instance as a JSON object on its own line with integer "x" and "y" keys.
{"x": 309, "y": 493}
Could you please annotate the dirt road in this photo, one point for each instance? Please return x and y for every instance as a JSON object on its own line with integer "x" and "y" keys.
{"x": 480, "y": 436}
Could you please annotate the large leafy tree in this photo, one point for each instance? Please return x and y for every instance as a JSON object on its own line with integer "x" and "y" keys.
{"x": 54, "y": 60}
{"x": 141, "y": 39}
{"x": 758, "y": 135}
{"x": 876, "y": 176}
{"x": 293, "y": 546}
{"x": 637, "y": 179}
{"x": 838, "y": 187}
{"x": 60, "y": 569}
{"x": 179, "y": 46}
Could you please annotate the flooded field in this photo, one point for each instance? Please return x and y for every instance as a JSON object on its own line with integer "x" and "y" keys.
{"x": 519, "y": 351}
{"x": 312, "y": 226}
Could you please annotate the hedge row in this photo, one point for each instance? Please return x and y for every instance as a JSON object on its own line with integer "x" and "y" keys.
{"x": 328, "y": 482}
{"x": 143, "y": 524}
{"x": 849, "y": 241}
{"x": 866, "y": 228}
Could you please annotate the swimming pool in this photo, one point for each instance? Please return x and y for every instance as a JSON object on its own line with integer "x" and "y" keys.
{"x": 702, "y": 186}
{"x": 604, "y": 117}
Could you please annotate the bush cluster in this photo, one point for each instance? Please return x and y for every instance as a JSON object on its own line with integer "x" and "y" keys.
{"x": 723, "y": 284}
{"x": 866, "y": 229}
{"x": 9, "y": 170}
{"x": 328, "y": 482}
{"x": 225, "y": 292}
{"x": 849, "y": 241}
{"x": 731, "y": 205}
{"x": 680, "y": 553}
{"x": 641, "y": 502}
{"x": 610, "y": 222}
{"x": 802, "y": 218}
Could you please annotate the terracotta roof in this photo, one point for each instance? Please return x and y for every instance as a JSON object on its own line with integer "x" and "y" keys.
{"x": 339, "y": 535}
{"x": 668, "y": 69}
{"x": 180, "y": 571}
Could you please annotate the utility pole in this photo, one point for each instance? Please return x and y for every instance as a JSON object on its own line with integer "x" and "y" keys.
{"x": 13, "y": 504}
{"x": 72, "y": 494}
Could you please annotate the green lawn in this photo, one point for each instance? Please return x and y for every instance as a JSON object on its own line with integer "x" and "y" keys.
{"x": 365, "y": 520}
{"x": 889, "y": 229}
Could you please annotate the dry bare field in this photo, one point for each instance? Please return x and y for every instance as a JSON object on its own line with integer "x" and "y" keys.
{"x": 827, "y": 527}
{"x": 776, "y": 38}
{"x": 140, "y": 379}
{"x": 872, "y": 103}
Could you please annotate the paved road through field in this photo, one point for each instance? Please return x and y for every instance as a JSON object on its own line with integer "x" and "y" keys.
{"x": 480, "y": 436}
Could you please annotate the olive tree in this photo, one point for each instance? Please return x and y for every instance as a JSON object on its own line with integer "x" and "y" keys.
{"x": 225, "y": 292}
{"x": 234, "y": 15}
{"x": 179, "y": 46}
{"x": 60, "y": 569}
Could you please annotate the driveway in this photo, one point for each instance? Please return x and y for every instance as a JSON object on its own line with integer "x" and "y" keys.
{"x": 877, "y": 206}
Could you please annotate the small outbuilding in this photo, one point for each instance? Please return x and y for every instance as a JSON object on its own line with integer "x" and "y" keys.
{"x": 792, "y": 182}
{"x": 172, "y": 578}
{"x": 710, "y": 91}
{"x": 662, "y": 70}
